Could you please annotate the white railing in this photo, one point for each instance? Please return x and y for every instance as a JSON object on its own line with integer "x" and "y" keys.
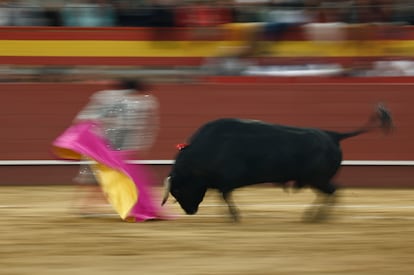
{"x": 170, "y": 162}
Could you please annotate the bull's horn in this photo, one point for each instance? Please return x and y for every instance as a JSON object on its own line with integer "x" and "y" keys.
{"x": 167, "y": 186}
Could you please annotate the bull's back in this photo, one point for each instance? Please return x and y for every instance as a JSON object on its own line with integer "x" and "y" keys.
{"x": 233, "y": 127}
{"x": 244, "y": 134}
{"x": 253, "y": 151}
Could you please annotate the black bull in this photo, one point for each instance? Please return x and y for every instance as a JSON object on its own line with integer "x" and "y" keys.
{"x": 228, "y": 153}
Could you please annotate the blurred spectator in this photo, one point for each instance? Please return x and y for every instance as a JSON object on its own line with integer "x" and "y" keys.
{"x": 204, "y": 14}
{"x": 205, "y": 17}
{"x": 84, "y": 13}
{"x": 133, "y": 13}
{"x": 330, "y": 11}
{"x": 162, "y": 13}
{"x": 5, "y": 13}
{"x": 280, "y": 15}
{"x": 52, "y": 13}
{"x": 28, "y": 13}
{"x": 369, "y": 11}
{"x": 161, "y": 19}
{"x": 248, "y": 12}
{"x": 285, "y": 12}
{"x": 402, "y": 11}
{"x": 276, "y": 17}
{"x": 327, "y": 20}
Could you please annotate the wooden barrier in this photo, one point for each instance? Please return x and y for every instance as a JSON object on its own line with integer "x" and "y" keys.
{"x": 33, "y": 114}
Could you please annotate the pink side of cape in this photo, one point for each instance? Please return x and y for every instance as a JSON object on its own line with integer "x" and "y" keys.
{"x": 82, "y": 139}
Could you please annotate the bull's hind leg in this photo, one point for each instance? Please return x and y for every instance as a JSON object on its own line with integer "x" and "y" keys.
{"x": 322, "y": 206}
{"x": 232, "y": 208}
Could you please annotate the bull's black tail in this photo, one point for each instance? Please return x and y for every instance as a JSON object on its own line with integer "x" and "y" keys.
{"x": 381, "y": 118}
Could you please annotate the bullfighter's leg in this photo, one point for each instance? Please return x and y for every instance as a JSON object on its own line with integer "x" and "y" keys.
{"x": 232, "y": 208}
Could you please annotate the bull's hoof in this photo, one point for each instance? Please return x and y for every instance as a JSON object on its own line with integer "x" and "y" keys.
{"x": 234, "y": 213}
{"x": 316, "y": 214}
{"x": 309, "y": 215}
{"x": 235, "y": 218}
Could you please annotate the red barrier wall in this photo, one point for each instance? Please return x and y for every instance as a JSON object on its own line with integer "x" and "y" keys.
{"x": 33, "y": 114}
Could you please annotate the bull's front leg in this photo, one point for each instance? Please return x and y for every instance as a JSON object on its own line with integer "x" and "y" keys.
{"x": 321, "y": 208}
{"x": 232, "y": 208}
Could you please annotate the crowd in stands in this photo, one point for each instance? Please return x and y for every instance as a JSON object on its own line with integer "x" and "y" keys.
{"x": 198, "y": 13}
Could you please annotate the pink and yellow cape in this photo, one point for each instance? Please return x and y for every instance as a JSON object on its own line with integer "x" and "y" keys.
{"x": 126, "y": 186}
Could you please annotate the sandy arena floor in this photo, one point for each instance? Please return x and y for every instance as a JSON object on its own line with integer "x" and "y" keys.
{"x": 372, "y": 233}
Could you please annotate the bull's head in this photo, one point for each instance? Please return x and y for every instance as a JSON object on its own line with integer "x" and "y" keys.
{"x": 189, "y": 196}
